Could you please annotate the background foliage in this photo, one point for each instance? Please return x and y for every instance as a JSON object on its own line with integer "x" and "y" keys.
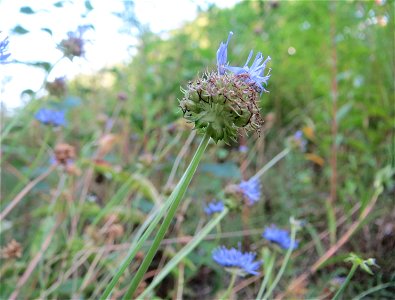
{"x": 149, "y": 132}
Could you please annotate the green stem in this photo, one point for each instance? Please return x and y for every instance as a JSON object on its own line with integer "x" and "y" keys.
{"x": 284, "y": 264}
{"x": 218, "y": 233}
{"x": 269, "y": 265}
{"x": 178, "y": 195}
{"x": 185, "y": 251}
{"x": 346, "y": 282}
{"x": 271, "y": 163}
{"x": 230, "y": 287}
{"x": 138, "y": 241}
{"x": 373, "y": 290}
{"x": 33, "y": 165}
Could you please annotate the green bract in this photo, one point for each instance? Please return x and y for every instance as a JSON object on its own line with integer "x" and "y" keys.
{"x": 221, "y": 105}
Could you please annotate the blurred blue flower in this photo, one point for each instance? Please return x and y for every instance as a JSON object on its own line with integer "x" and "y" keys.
{"x": 251, "y": 190}
{"x": 232, "y": 258}
{"x": 3, "y": 49}
{"x": 299, "y": 140}
{"x": 222, "y": 55}
{"x": 278, "y": 236}
{"x": 255, "y": 72}
{"x": 51, "y": 117}
{"x": 243, "y": 148}
{"x": 214, "y": 207}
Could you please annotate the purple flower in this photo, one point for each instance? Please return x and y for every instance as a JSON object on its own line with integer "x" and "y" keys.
{"x": 255, "y": 72}
{"x": 233, "y": 258}
{"x": 74, "y": 44}
{"x": 251, "y": 190}
{"x": 3, "y": 49}
{"x": 214, "y": 207}
{"x": 243, "y": 148}
{"x": 299, "y": 140}
{"x": 222, "y": 55}
{"x": 279, "y": 236}
{"x": 51, "y": 117}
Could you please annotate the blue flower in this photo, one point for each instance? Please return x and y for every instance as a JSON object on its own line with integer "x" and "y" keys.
{"x": 279, "y": 236}
{"x": 243, "y": 148}
{"x": 255, "y": 72}
{"x": 222, "y": 55}
{"x": 214, "y": 207}
{"x": 299, "y": 140}
{"x": 51, "y": 117}
{"x": 3, "y": 49}
{"x": 232, "y": 258}
{"x": 251, "y": 190}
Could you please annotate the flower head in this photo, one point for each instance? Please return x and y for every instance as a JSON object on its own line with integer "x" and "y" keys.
{"x": 222, "y": 103}
{"x": 74, "y": 44}
{"x": 57, "y": 87}
{"x": 3, "y": 50}
{"x": 222, "y": 55}
{"x": 12, "y": 250}
{"x": 251, "y": 190}
{"x": 279, "y": 236}
{"x": 51, "y": 117}
{"x": 255, "y": 73}
{"x": 214, "y": 207}
{"x": 235, "y": 260}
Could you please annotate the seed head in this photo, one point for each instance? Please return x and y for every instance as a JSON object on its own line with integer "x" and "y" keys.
{"x": 223, "y": 102}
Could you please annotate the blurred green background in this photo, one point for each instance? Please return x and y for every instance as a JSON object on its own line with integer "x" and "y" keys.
{"x": 320, "y": 50}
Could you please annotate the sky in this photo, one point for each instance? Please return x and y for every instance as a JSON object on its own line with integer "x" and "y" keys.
{"x": 105, "y": 46}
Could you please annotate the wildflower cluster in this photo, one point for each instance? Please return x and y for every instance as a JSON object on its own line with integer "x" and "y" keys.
{"x": 220, "y": 103}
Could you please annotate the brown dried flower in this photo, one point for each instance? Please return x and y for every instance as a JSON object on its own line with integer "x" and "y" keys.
{"x": 12, "y": 250}
{"x": 64, "y": 153}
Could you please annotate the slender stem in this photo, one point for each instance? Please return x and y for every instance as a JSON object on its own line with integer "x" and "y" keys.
{"x": 284, "y": 264}
{"x": 178, "y": 159}
{"x": 44, "y": 246}
{"x": 230, "y": 287}
{"x": 24, "y": 192}
{"x": 33, "y": 263}
{"x": 374, "y": 289}
{"x": 138, "y": 241}
{"x": 346, "y": 282}
{"x": 180, "y": 281}
{"x": 185, "y": 251}
{"x": 340, "y": 242}
{"x": 271, "y": 163}
{"x": 33, "y": 165}
{"x": 268, "y": 272}
{"x": 178, "y": 195}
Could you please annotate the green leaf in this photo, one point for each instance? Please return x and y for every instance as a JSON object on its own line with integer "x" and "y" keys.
{"x": 47, "y": 30}
{"x": 343, "y": 111}
{"x": 18, "y": 29}
{"x": 88, "y": 5}
{"x": 58, "y": 4}
{"x": 27, "y": 10}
